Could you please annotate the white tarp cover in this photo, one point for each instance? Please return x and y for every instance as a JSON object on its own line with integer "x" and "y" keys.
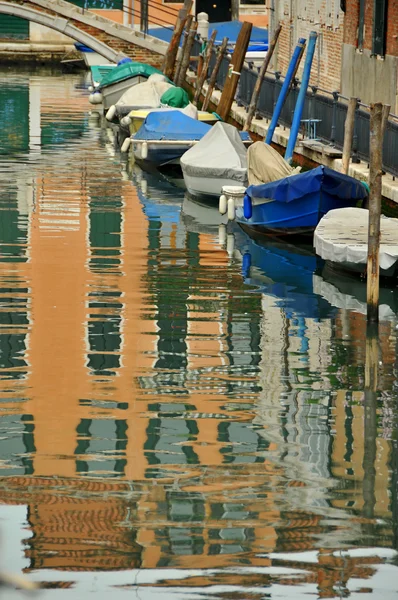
{"x": 341, "y": 236}
{"x": 265, "y": 164}
{"x": 145, "y": 95}
{"x": 219, "y": 154}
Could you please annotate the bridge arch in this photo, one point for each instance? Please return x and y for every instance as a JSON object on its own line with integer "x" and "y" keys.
{"x": 61, "y": 25}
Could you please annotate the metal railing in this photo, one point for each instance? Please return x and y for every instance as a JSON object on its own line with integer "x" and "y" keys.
{"x": 328, "y": 108}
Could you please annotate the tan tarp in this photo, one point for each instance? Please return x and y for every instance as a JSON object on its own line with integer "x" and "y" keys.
{"x": 264, "y": 164}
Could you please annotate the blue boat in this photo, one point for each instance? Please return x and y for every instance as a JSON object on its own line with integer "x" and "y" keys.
{"x": 295, "y": 204}
{"x": 164, "y": 136}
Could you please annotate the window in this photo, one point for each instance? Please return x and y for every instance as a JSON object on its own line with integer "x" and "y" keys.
{"x": 379, "y": 27}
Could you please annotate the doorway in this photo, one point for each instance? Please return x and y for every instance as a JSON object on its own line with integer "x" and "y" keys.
{"x": 218, "y": 10}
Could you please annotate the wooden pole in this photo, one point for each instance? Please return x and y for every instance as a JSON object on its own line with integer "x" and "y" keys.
{"x": 188, "y": 24}
{"x": 348, "y": 133}
{"x": 187, "y": 56}
{"x": 261, "y": 75}
{"x": 235, "y": 10}
{"x": 384, "y": 118}
{"x": 375, "y": 172}
{"x": 235, "y": 67}
{"x": 171, "y": 55}
{"x": 213, "y": 76}
{"x": 205, "y": 67}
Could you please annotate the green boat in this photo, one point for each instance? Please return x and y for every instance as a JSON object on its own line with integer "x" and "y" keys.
{"x": 99, "y": 72}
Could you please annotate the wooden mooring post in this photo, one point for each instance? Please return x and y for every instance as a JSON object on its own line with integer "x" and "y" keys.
{"x": 205, "y": 67}
{"x": 187, "y": 55}
{"x": 235, "y": 67}
{"x": 213, "y": 77}
{"x": 171, "y": 55}
{"x": 186, "y": 31}
{"x": 260, "y": 78}
{"x": 348, "y": 133}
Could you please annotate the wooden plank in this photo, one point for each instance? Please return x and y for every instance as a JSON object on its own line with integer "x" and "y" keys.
{"x": 205, "y": 67}
{"x": 235, "y": 67}
{"x": 213, "y": 76}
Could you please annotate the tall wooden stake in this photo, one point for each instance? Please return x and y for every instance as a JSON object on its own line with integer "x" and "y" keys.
{"x": 261, "y": 75}
{"x": 384, "y": 118}
{"x": 205, "y": 67}
{"x": 188, "y": 24}
{"x": 187, "y": 55}
{"x": 235, "y": 67}
{"x": 171, "y": 55}
{"x": 348, "y": 133}
{"x": 213, "y": 76}
{"x": 375, "y": 173}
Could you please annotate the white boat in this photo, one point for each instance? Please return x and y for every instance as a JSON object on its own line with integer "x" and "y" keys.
{"x": 218, "y": 160}
{"x": 341, "y": 238}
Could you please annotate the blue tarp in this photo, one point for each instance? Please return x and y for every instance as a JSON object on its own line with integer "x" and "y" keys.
{"x": 171, "y": 125}
{"x": 229, "y": 29}
{"x": 291, "y": 188}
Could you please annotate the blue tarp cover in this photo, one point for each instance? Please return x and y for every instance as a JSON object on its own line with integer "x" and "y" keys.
{"x": 171, "y": 125}
{"x": 297, "y": 186}
{"x": 229, "y": 29}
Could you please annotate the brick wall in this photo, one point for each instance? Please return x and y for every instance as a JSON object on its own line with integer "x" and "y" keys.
{"x": 351, "y": 25}
{"x": 322, "y": 16}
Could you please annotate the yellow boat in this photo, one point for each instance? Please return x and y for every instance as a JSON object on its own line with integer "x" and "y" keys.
{"x": 137, "y": 118}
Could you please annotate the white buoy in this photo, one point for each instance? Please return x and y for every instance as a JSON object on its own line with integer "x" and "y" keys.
{"x": 95, "y": 98}
{"x": 222, "y": 234}
{"x": 144, "y": 186}
{"x": 230, "y": 244}
{"x": 126, "y": 121}
{"x": 222, "y": 204}
{"x": 90, "y": 88}
{"x": 231, "y": 209}
{"x": 144, "y": 150}
{"x": 126, "y": 145}
{"x": 110, "y": 113}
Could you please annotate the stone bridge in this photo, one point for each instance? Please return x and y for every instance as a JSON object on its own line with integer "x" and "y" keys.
{"x": 111, "y": 40}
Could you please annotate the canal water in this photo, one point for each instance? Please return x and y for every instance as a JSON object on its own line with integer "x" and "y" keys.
{"x": 183, "y": 410}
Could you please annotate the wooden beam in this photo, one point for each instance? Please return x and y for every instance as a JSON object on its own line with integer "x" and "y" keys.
{"x": 235, "y": 67}
{"x": 205, "y": 67}
{"x": 213, "y": 77}
{"x": 348, "y": 133}
{"x": 188, "y": 24}
{"x": 171, "y": 55}
{"x": 187, "y": 55}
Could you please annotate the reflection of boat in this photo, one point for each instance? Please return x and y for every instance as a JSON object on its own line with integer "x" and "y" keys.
{"x": 341, "y": 238}
{"x": 284, "y": 271}
{"x": 201, "y": 217}
{"x": 290, "y": 203}
{"x": 218, "y": 160}
{"x": 156, "y": 192}
{"x": 346, "y": 291}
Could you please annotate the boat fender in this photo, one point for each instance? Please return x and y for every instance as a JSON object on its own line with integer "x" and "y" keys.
{"x": 222, "y": 234}
{"x": 110, "y": 113}
{"x": 144, "y": 150}
{"x": 231, "y": 209}
{"x": 222, "y": 204}
{"x": 230, "y": 244}
{"x": 144, "y": 186}
{"x": 246, "y": 264}
{"x": 247, "y": 207}
{"x": 95, "y": 98}
{"x": 126, "y": 145}
{"x": 126, "y": 121}
{"x": 90, "y": 88}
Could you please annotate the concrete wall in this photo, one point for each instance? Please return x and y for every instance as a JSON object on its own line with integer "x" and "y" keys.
{"x": 369, "y": 78}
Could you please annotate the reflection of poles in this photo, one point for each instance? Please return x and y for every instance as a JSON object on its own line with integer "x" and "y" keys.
{"x": 370, "y": 420}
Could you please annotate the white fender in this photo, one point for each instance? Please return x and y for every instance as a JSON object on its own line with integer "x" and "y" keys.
{"x": 222, "y": 235}
{"x": 90, "y": 88}
{"x": 230, "y": 244}
{"x": 144, "y": 186}
{"x": 222, "y": 204}
{"x": 231, "y": 209}
{"x": 126, "y": 145}
{"x": 95, "y": 98}
{"x": 126, "y": 121}
{"x": 144, "y": 150}
{"x": 110, "y": 113}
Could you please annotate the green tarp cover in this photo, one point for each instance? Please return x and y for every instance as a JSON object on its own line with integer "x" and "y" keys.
{"x": 126, "y": 71}
{"x": 175, "y": 97}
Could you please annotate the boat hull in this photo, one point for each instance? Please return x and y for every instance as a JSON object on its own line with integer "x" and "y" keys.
{"x": 209, "y": 188}
{"x": 160, "y": 156}
{"x": 112, "y": 93}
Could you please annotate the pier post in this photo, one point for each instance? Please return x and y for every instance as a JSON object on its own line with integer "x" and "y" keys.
{"x": 260, "y": 78}
{"x": 171, "y": 55}
{"x": 375, "y": 173}
{"x": 186, "y": 57}
{"x": 202, "y": 76}
{"x": 235, "y": 67}
{"x": 349, "y": 133}
{"x": 186, "y": 31}
{"x": 213, "y": 76}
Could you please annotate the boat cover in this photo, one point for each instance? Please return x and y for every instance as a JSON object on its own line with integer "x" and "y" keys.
{"x": 127, "y": 70}
{"x": 220, "y": 153}
{"x": 176, "y": 98}
{"x": 265, "y": 164}
{"x": 171, "y": 125}
{"x": 144, "y": 95}
{"x": 342, "y": 237}
{"x": 294, "y": 187}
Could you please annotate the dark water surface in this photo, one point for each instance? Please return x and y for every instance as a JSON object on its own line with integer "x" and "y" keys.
{"x": 183, "y": 411}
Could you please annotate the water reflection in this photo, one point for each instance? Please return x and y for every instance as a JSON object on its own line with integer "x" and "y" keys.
{"x": 190, "y": 413}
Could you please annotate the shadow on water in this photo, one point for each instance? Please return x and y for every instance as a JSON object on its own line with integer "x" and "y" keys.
{"x": 185, "y": 412}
